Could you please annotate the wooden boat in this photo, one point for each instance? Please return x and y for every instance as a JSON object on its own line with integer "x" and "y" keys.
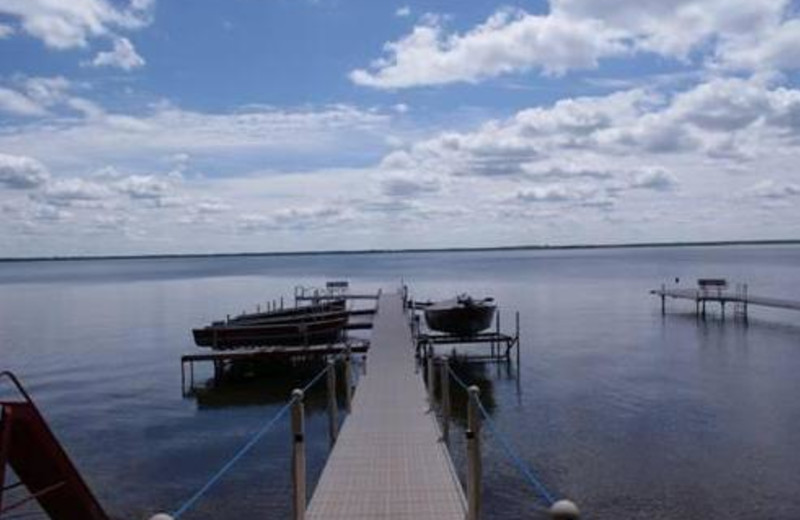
{"x": 291, "y": 314}
{"x": 301, "y": 333}
{"x": 461, "y": 316}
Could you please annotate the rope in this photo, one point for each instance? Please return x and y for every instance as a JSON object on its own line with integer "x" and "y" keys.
{"x": 243, "y": 450}
{"x": 528, "y": 473}
{"x": 458, "y": 380}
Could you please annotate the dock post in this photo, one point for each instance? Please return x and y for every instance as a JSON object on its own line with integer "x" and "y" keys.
{"x": 516, "y": 337}
{"x": 497, "y": 333}
{"x": 348, "y": 389}
{"x": 333, "y": 422}
{"x": 298, "y": 457}
{"x": 431, "y": 381}
{"x": 474, "y": 469}
{"x": 744, "y": 291}
{"x": 564, "y": 510}
{"x": 663, "y": 299}
{"x": 444, "y": 381}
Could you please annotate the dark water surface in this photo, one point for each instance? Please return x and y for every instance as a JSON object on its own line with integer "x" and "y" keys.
{"x": 631, "y": 414}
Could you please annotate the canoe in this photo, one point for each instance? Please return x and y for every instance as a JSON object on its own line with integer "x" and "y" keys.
{"x": 461, "y": 316}
{"x": 224, "y": 336}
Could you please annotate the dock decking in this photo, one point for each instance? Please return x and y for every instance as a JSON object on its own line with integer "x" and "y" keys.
{"x": 389, "y": 460}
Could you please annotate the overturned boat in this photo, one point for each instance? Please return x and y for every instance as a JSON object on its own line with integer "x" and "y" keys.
{"x": 292, "y": 314}
{"x": 460, "y": 316}
{"x": 312, "y": 331}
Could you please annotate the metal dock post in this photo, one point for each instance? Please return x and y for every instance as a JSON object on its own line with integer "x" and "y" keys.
{"x": 431, "y": 380}
{"x": 333, "y": 422}
{"x": 474, "y": 469}
{"x": 298, "y": 457}
{"x": 444, "y": 381}
{"x": 348, "y": 389}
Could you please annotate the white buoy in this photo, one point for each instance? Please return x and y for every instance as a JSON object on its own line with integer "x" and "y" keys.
{"x": 161, "y": 516}
{"x": 564, "y": 510}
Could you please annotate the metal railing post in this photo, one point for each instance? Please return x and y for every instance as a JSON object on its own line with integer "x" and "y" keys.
{"x": 474, "y": 469}
{"x": 431, "y": 381}
{"x": 298, "y": 457}
{"x": 444, "y": 382}
{"x": 348, "y": 389}
{"x": 333, "y": 422}
{"x": 564, "y": 510}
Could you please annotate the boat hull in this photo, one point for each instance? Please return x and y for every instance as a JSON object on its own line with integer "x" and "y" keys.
{"x": 291, "y": 314}
{"x": 459, "y": 319}
{"x": 263, "y": 335}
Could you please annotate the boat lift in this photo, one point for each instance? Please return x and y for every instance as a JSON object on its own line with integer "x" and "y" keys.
{"x": 500, "y": 344}
{"x": 31, "y": 450}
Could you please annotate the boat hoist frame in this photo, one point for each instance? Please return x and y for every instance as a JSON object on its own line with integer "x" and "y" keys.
{"x": 31, "y": 450}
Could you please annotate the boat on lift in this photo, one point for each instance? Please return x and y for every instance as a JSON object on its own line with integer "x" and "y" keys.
{"x": 461, "y": 316}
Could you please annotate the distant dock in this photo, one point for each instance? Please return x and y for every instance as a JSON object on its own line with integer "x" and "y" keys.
{"x": 716, "y": 291}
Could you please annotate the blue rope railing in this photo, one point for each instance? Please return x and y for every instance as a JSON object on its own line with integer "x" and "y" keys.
{"x": 188, "y": 504}
{"x": 528, "y": 474}
{"x": 526, "y": 471}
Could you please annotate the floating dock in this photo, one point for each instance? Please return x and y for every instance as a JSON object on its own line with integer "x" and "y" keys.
{"x": 740, "y": 299}
{"x": 389, "y": 460}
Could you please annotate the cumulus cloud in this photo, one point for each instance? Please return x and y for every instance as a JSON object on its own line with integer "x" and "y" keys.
{"x": 773, "y": 190}
{"x": 150, "y": 189}
{"x": 403, "y": 186}
{"x": 555, "y": 193}
{"x": 301, "y": 218}
{"x": 13, "y": 102}
{"x": 5, "y": 31}
{"x": 306, "y": 134}
{"x": 74, "y": 192}
{"x": 577, "y": 34}
{"x": 18, "y": 172}
{"x": 657, "y": 179}
{"x": 65, "y": 25}
{"x": 509, "y": 41}
{"x": 122, "y": 56}
{"x": 403, "y": 12}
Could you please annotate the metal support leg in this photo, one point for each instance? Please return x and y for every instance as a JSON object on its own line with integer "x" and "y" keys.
{"x": 431, "y": 382}
{"x": 298, "y": 457}
{"x": 333, "y": 421}
{"x": 348, "y": 378}
{"x": 474, "y": 469}
{"x": 444, "y": 382}
{"x": 5, "y": 448}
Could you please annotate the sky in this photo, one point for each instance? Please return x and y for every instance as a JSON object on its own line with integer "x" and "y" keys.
{"x": 208, "y": 126}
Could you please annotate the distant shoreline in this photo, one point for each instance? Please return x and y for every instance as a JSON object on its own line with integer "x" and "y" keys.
{"x": 546, "y": 247}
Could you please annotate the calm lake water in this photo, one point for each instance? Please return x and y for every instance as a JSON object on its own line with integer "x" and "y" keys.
{"x": 631, "y": 414}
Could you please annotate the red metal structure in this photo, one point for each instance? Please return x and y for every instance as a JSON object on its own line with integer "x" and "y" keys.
{"x": 29, "y": 447}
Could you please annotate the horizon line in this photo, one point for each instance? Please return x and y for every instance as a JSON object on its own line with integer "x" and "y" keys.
{"x": 520, "y": 247}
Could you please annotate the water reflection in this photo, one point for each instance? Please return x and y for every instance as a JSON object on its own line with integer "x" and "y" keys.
{"x": 247, "y": 383}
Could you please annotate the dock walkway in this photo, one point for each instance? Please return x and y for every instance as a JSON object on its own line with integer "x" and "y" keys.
{"x": 389, "y": 461}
